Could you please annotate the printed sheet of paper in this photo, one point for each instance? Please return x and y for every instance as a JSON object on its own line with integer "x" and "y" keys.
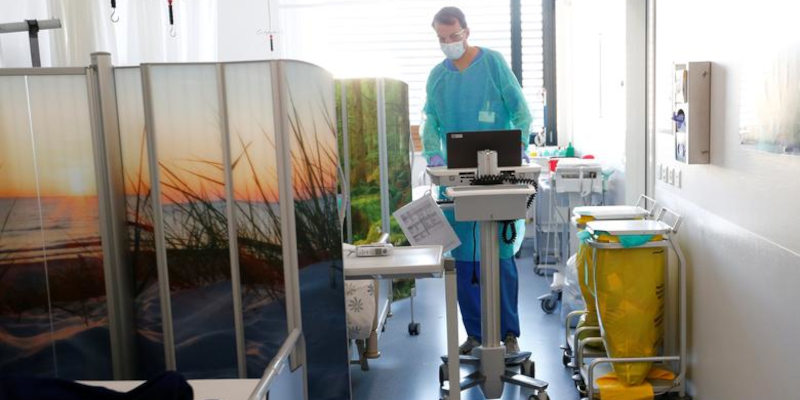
{"x": 423, "y": 222}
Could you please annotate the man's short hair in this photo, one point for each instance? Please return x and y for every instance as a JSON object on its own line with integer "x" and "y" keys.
{"x": 449, "y": 16}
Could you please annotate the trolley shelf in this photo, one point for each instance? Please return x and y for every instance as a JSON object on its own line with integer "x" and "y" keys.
{"x": 609, "y": 245}
{"x": 635, "y": 227}
{"x": 660, "y": 386}
{"x": 612, "y": 212}
{"x": 589, "y": 352}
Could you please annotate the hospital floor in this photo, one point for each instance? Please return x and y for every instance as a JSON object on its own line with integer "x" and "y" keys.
{"x": 408, "y": 365}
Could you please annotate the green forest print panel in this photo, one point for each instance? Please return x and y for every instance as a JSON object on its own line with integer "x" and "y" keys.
{"x": 361, "y": 115}
{"x": 398, "y": 140}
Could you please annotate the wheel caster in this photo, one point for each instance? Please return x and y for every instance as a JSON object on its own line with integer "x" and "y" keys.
{"x": 549, "y": 305}
{"x": 528, "y": 368}
{"x": 442, "y": 374}
{"x": 413, "y": 328}
{"x": 542, "y": 395}
{"x": 565, "y": 358}
{"x": 538, "y": 271}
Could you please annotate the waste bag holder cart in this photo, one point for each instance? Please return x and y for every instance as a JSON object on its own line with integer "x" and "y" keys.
{"x": 664, "y": 237}
{"x": 643, "y": 209}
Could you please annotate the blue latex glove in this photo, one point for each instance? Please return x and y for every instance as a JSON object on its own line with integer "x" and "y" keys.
{"x": 436, "y": 161}
{"x": 525, "y": 156}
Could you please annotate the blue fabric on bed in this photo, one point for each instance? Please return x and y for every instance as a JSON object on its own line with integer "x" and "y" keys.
{"x": 166, "y": 386}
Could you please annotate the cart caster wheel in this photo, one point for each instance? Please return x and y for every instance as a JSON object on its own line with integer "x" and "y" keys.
{"x": 528, "y": 368}
{"x": 442, "y": 375}
{"x": 581, "y": 388}
{"x": 549, "y": 305}
{"x": 538, "y": 271}
{"x": 542, "y": 395}
{"x": 413, "y": 328}
{"x": 565, "y": 358}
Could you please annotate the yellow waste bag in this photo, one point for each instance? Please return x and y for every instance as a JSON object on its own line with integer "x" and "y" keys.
{"x": 630, "y": 299}
{"x": 612, "y": 389}
{"x": 583, "y": 263}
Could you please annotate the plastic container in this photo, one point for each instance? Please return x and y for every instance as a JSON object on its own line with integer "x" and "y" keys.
{"x": 553, "y": 164}
{"x": 569, "y": 151}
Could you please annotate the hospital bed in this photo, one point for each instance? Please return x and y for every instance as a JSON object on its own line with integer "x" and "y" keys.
{"x": 363, "y": 273}
{"x": 367, "y": 310}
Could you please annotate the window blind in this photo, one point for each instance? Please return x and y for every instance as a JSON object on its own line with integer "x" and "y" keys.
{"x": 394, "y": 39}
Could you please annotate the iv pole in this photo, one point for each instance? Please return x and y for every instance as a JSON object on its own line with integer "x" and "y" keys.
{"x": 33, "y": 27}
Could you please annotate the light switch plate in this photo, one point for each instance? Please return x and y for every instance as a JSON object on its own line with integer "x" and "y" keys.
{"x": 671, "y": 175}
{"x": 678, "y": 178}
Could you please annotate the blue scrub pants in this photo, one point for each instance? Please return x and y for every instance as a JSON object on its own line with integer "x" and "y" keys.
{"x": 469, "y": 297}
{"x": 467, "y": 258}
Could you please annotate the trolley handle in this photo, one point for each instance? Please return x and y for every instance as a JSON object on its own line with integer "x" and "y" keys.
{"x": 676, "y": 220}
{"x": 642, "y": 202}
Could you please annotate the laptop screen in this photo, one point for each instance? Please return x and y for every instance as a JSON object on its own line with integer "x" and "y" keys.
{"x": 463, "y": 147}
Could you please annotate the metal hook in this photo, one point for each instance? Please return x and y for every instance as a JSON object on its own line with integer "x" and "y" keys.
{"x": 172, "y": 31}
{"x": 114, "y": 16}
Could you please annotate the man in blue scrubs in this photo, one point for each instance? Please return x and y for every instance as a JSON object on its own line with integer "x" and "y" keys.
{"x": 473, "y": 89}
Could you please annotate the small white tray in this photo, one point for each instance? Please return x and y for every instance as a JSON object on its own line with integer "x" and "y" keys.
{"x": 631, "y": 227}
{"x": 611, "y": 212}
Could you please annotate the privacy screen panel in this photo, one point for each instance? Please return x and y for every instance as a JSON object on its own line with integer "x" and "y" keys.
{"x": 311, "y": 129}
{"x": 141, "y": 256}
{"x": 188, "y": 136}
{"x": 359, "y": 121}
{"x": 398, "y": 136}
{"x": 257, "y": 210}
{"x": 27, "y": 341}
{"x": 51, "y": 261}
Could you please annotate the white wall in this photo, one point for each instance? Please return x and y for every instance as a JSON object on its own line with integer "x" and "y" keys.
{"x": 242, "y": 30}
{"x": 14, "y": 48}
{"x": 601, "y": 87}
{"x": 141, "y": 35}
{"x": 740, "y": 234}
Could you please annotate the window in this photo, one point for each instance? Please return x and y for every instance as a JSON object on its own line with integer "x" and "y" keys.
{"x": 394, "y": 39}
{"x": 533, "y": 60}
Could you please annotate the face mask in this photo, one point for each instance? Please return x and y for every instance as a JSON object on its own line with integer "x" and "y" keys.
{"x": 454, "y": 50}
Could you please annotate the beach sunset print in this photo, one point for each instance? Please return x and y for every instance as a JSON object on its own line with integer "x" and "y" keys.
{"x": 311, "y": 129}
{"x": 188, "y": 137}
{"x": 141, "y": 255}
{"x": 53, "y": 313}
